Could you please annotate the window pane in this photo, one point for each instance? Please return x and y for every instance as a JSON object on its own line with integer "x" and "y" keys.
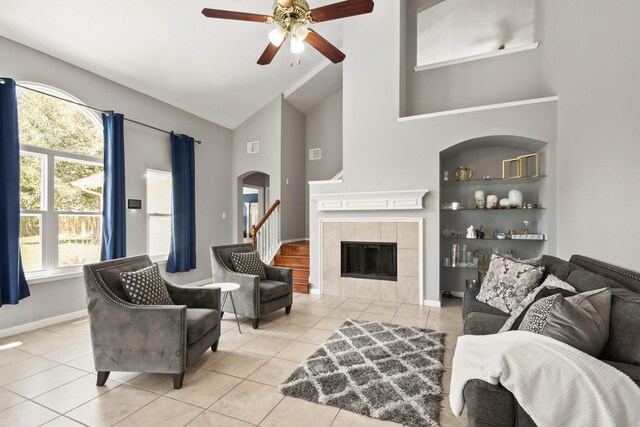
{"x": 159, "y": 235}
{"x": 78, "y": 186}
{"x": 159, "y": 192}
{"x": 51, "y": 123}
{"x": 31, "y": 242}
{"x": 31, "y": 166}
{"x": 78, "y": 239}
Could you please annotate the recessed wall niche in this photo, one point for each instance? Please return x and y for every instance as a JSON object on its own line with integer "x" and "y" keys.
{"x": 454, "y": 29}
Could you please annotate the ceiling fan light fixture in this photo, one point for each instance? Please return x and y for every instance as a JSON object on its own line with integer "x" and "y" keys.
{"x": 300, "y": 31}
{"x": 297, "y": 46}
{"x": 277, "y": 36}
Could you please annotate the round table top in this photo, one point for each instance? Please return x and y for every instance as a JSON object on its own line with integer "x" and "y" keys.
{"x": 224, "y": 286}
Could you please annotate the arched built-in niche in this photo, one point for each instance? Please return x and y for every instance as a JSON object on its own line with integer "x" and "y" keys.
{"x": 484, "y": 156}
{"x": 258, "y": 184}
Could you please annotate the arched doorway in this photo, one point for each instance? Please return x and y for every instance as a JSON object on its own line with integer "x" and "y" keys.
{"x": 253, "y": 196}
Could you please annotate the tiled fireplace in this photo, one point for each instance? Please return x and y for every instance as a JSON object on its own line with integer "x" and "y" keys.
{"x": 406, "y": 287}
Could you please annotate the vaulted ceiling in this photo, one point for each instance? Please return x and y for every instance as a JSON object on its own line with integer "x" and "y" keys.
{"x": 168, "y": 50}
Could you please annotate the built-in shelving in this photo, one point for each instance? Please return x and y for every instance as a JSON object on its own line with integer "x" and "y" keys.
{"x": 494, "y": 240}
{"x": 494, "y": 210}
{"x": 494, "y": 181}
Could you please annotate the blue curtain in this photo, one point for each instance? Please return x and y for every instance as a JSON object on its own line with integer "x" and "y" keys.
{"x": 182, "y": 255}
{"x": 13, "y": 285}
{"x": 114, "y": 208}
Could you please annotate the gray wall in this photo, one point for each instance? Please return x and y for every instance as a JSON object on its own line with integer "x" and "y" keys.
{"x": 264, "y": 126}
{"x": 293, "y": 175}
{"x": 145, "y": 148}
{"x": 590, "y": 59}
{"x": 324, "y": 130}
{"x": 383, "y": 153}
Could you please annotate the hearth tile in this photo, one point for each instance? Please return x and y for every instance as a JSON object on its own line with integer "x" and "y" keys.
{"x": 408, "y": 235}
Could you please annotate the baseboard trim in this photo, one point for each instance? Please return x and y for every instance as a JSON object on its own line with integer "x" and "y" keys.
{"x": 42, "y": 323}
{"x": 302, "y": 239}
{"x": 432, "y": 303}
{"x": 314, "y": 291}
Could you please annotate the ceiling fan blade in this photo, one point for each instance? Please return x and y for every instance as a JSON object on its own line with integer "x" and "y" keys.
{"x": 342, "y": 10}
{"x": 238, "y": 16}
{"x": 285, "y": 3}
{"x": 324, "y": 47}
{"x": 270, "y": 52}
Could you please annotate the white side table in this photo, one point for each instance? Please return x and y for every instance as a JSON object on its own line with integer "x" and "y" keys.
{"x": 226, "y": 290}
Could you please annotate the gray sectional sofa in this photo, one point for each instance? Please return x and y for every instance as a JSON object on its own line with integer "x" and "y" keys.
{"x": 493, "y": 405}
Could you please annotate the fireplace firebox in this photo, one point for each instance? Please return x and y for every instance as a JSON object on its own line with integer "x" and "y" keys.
{"x": 369, "y": 260}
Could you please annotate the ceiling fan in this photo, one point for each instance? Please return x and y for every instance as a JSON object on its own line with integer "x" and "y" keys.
{"x": 293, "y": 18}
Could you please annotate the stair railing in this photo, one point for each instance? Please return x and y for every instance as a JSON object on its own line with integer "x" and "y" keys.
{"x": 265, "y": 235}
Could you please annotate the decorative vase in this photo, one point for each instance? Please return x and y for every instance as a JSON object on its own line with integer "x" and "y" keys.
{"x": 492, "y": 201}
{"x": 516, "y": 198}
{"x": 479, "y": 196}
{"x": 506, "y": 203}
{"x": 463, "y": 173}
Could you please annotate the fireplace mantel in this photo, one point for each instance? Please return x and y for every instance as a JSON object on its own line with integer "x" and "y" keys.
{"x": 371, "y": 201}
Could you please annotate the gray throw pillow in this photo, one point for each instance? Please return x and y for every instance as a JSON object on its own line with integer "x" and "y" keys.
{"x": 507, "y": 283}
{"x": 248, "y": 263}
{"x": 536, "y": 262}
{"x": 582, "y": 320}
{"x": 146, "y": 286}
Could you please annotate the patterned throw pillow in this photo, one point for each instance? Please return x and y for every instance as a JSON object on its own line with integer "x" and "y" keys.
{"x": 551, "y": 285}
{"x": 146, "y": 287}
{"x": 248, "y": 263}
{"x": 582, "y": 320}
{"x": 507, "y": 283}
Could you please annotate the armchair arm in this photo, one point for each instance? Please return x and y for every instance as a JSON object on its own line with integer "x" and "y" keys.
{"x": 279, "y": 274}
{"x": 247, "y": 298}
{"x": 138, "y": 338}
{"x": 194, "y": 297}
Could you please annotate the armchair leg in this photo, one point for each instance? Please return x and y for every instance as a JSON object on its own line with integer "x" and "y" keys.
{"x": 178, "y": 380}
{"x": 287, "y": 309}
{"x": 102, "y": 378}
{"x": 214, "y": 347}
{"x": 256, "y": 323}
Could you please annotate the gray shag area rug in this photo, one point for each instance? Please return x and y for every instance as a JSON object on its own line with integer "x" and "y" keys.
{"x": 384, "y": 371}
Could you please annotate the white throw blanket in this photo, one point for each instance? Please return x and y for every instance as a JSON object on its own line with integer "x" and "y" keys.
{"x": 554, "y": 383}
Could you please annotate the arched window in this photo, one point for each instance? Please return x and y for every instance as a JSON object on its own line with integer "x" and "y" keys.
{"x": 61, "y": 179}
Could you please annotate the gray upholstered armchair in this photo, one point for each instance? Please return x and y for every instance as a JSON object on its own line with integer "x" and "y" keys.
{"x": 256, "y": 297}
{"x": 147, "y": 338}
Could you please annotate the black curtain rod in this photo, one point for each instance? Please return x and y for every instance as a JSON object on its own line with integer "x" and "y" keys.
{"x": 93, "y": 108}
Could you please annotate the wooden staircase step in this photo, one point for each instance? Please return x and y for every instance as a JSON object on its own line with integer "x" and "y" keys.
{"x": 291, "y": 261}
{"x": 300, "y": 273}
{"x": 295, "y": 249}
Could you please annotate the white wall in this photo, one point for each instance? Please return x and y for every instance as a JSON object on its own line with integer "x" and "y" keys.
{"x": 293, "y": 179}
{"x": 145, "y": 148}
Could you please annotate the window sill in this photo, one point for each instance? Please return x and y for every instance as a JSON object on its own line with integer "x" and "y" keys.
{"x": 53, "y": 277}
{"x": 159, "y": 259}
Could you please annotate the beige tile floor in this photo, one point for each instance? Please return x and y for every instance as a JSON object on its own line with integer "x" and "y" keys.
{"x": 49, "y": 379}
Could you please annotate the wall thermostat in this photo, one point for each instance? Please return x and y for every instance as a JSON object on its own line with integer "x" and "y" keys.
{"x": 134, "y": 204}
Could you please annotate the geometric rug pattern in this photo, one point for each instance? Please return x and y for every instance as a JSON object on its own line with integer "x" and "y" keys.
{"x": 384, "y": 371}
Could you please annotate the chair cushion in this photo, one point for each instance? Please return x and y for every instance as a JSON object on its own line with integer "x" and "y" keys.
{"x": 624, "y": 331}
{"x": 248, "y": 263}
{"x": 110, "y": 274}
{"x": 270, "y": 290}
{"x": 146, "y": 286}
{"x": 199, "y": 322}
{"x": 470, "y": 304}
{"x": 483, "y": 323}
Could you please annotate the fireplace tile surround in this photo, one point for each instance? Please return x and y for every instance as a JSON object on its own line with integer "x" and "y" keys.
{"x": 405, "y": 233}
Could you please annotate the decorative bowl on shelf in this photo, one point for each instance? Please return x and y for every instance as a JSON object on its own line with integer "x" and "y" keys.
{"x": 450, "y": 233}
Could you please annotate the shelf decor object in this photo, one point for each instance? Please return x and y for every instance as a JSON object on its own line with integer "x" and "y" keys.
{"x": 527, "y": 237}
{"x": 524, "y": 164}
{"x": 521, "y": 164}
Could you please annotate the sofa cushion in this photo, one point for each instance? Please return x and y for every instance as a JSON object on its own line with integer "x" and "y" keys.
{"x": 585, "y": 281}
{"x": 146, "y": 286}
{"x": 470, "y": 304}
{"x": 632, "y": 371}
{"x": 271, "y": 289}
{"x": 582, "y": 320}
{"x": 624, "y": 331}
{"x": 248, "y": 263}
{"x": 507, "y": 283}
{"x": 558, "y": 267}
{"x": 483, "y": 323}
{"x": 199, "y": 322}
